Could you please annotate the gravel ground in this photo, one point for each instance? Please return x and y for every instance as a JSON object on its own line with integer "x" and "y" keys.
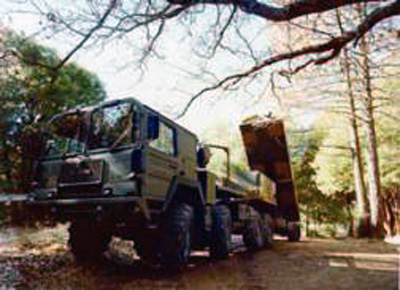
{"x": 39, "y": 259}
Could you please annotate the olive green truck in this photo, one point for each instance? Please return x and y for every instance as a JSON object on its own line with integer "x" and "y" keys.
{"x": 122, "y": 169}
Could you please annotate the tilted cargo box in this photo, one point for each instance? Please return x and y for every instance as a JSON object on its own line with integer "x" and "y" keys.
{"x": 267, "y": 152}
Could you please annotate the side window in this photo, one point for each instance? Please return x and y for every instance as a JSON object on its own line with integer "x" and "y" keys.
{"x": 110, "y": 126}
{"x": 165, "y": 141}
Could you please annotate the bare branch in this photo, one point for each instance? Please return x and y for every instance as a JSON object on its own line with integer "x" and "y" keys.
{"x": 273, "y": 90}
{"x": 247, "y": 44}
{"x": 229, "y": 81}
{"x": 113, "y": 4}
{"x": 219, "y": 35}
{"x": 152, "y": 42}
{"x": 334, "y": 46}
{"x": 223, "y": 30}
{"x": 164, "y": 14}
{"x": 288, "y": 73}
{"x": 313, "y": 29}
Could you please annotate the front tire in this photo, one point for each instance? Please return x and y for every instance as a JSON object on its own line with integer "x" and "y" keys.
{"x": 87, "y": 241}
{"x": 177, "y": 235}
{"x": 147, "y": 251}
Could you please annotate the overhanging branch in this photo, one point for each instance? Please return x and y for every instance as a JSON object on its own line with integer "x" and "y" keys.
{"x": 293, "y": 10}
{"x": 333, "y": 46}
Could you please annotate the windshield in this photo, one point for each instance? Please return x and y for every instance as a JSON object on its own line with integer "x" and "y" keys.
{"x": 66, "y": 134}
{"x": 111, "y": 126}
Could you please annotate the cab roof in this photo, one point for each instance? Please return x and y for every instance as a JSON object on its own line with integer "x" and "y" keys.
{"x": 88, "y": 109}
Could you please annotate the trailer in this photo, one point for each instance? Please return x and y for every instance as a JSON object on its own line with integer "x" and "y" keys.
{"x": 267, "y": 152}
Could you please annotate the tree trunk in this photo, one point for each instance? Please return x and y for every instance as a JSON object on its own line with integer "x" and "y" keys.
{"x": 374, "y": 181}
{"x": 362, "y": 214}
{"x": 390, "y": 219}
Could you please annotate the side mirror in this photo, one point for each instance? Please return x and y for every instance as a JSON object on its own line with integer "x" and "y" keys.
{"x": 137, "y": 161}
{"x": 203, "y": 156}
{"x": 153, "y": 125}
{"x": 136, "y": 120}
{"x": 135, "y": 133}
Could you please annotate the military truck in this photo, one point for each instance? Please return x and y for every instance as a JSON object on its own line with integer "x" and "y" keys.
{"x": 123, "y": 169}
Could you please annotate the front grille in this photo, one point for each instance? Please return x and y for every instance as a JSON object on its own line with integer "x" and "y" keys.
{"x": 83, "y": 171}
{"x": 79, "y": 190}
{"x": 81, "y": 178}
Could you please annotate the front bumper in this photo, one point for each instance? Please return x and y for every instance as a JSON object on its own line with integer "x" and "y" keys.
{"x": 98, "y": 207}
{"x": 88, "y": 200}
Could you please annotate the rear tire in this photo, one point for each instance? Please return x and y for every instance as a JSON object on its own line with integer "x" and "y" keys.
{"x": 267, "y": 231}
{"x": 293, "y": 231}
{"x": 220, "y": 237}
{"x": 176, "y": 235}
{"x": 86, "y": 240}
{"x": 253, "y": 234}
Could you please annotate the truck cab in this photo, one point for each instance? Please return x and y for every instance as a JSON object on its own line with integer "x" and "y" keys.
{"x": 119, "y": 166}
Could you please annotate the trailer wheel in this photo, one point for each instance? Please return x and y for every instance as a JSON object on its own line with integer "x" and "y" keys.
{"x": 293, "y": 231}
{"x": 176, "y": 235}
{"x": 220, "y": 237}
{"x": 87, "y": 241}
{"x": 267, "y": 231}
{"x": 253, "y": 234}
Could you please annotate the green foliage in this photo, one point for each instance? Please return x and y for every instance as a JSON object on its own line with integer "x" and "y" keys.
{"x": 335, "y": 170}
{"x": 223, "y": 133}
{"x": 389, "y": 134}
{"x": 32, "y": 81}
{"x": 308, "y": 192}
{"x": 317, "y": 206}
{"x": 31, "y": 92}
{"x": 334, "y": 159}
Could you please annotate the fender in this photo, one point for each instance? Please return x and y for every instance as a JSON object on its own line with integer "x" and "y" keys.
{"x": 184, "y": 190}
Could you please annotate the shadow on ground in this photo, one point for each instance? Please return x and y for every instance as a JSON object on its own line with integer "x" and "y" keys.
{"x": 310, "y": 264}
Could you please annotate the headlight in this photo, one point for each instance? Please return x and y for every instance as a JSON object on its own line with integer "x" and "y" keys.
{"x": 52, "y": 194}
{"x": 107, "y": 191}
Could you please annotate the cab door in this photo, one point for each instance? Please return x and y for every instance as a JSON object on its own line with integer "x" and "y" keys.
{"x": 161, "y": 162}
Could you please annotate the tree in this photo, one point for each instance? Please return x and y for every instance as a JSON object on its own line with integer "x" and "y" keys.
{"x": 362, "y": 209}
{"x": 356, "y": 68}
{"x": 309, "y": 195}
{"x": 30, "y": 96}
{"x": 362, "y": 206}
{"x": 374, "y": 176}
{"x": 389, "y": 140}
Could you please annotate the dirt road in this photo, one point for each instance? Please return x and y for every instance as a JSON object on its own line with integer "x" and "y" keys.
{"x": 39, "y": 259}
